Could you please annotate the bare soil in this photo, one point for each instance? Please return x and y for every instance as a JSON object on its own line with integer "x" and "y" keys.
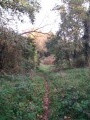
{"x": 46, "y": 102}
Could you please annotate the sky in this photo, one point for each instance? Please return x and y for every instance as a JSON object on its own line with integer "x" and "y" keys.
{"x": 46, "y": 17}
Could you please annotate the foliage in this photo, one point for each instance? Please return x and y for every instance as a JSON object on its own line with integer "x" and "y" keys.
{"x": 21, "y": 97}
{"x": 67, "y": 45}
{"x": 16, "y": 52}
{"x": 69, "y": 94}
{"x": 17, "y": 7}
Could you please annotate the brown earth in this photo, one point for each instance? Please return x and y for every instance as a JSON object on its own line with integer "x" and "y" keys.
{"x": 46, "y": 102}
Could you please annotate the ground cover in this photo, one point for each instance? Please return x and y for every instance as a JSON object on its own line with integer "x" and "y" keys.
{"x": 21, "y": 97}
{"x": 48, "y": 95}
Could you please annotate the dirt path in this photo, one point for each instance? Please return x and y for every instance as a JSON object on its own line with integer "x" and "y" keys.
{"x": 46, "y": 102}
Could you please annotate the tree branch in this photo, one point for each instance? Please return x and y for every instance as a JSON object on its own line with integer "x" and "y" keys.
{"x": 36, "y": 30}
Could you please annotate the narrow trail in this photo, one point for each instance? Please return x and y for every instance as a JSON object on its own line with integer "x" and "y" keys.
{"x": 46, "y": 101}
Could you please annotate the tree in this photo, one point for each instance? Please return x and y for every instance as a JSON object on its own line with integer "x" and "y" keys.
{"x": 69, "y": 45}
{"x": 16, "y": 52}
{"x": 86, "y": 37}
{"x": 18, "y": 7}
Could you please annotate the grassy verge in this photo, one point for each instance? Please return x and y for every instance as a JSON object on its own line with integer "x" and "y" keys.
{"x": 21, "y": 97}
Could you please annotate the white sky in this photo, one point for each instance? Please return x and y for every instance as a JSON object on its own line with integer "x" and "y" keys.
{"x": 45, "y": 17}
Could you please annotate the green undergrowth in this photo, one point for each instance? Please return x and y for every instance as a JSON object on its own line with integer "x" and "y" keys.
{"x": 21, "y": 97}
{"x": 70, "y": 94}
{"x": 45, "y": 68}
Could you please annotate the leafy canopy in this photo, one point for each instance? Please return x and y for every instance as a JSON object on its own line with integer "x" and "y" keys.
{"x": 28, "y": 7}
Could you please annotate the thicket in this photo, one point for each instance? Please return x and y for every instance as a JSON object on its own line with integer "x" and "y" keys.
{"x": 17, "y": 53}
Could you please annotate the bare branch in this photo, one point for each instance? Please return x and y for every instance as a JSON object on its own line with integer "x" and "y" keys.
{"x": 36, "y": 30}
